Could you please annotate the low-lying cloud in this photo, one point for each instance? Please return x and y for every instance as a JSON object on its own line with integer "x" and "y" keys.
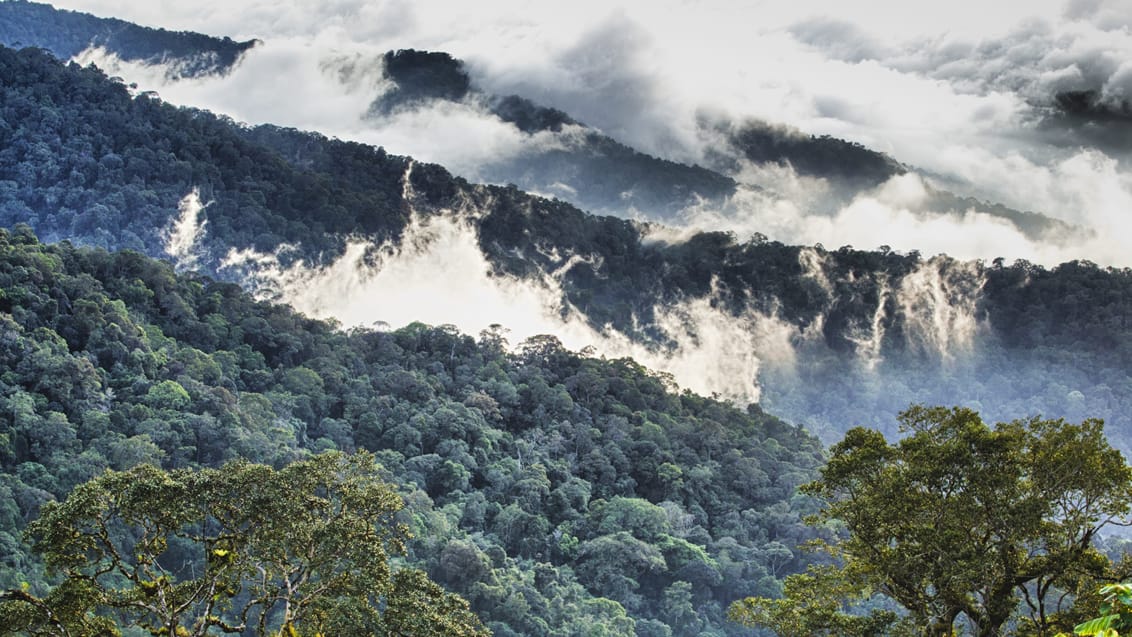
{"x": 437, "y": 274}
{"x": 184, "y": 234}
{"x": 1089, "y": 50}
{"x": 901, "y": 214}
{"x": 933, "y": 86}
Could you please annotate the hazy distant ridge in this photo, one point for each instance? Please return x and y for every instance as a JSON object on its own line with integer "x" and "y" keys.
{"x": 68, "y": 33}
{"x": 753, "y": 320}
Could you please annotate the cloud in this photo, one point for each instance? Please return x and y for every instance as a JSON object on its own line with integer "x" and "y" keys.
{"x": 841, "y": 39}
{"x": 1109, "y": 15}
{"x": 956, "y": 89}
{"x": 937, "y": 300}
{"x": 1038, "y": 59}
{"x": 182, "y": 238}
{"x": 282, "y": 83}
{"x": 438, "y": 275}
{"x": 609, "y": 79}
{"x": 1086, "y": 188}
{"x": 902, "y": 214}
{"x": 332, "y": 89}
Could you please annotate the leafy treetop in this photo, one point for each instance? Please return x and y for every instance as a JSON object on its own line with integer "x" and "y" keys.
{"x": 241, "y": 548}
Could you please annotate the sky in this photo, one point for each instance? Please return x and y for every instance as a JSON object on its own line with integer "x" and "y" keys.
{"x": 960, "y": 90}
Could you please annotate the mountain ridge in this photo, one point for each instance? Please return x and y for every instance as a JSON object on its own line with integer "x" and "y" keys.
{"x": 596, "y": 172}
{"x": 903, "y": 321}
{"x": 68, "y": 33}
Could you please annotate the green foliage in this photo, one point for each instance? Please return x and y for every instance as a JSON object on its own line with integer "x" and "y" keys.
{"x": 962, "y": 519}
{"x": 1116, "y": 609}
{"x": 822, "y": 601}
{"x": 474, "y": 432}
{"x": 551, "y": 507}
{"x": 1117, "y": 613}
{"x": 234, "y": 549}
{"x": 81, "y": 155}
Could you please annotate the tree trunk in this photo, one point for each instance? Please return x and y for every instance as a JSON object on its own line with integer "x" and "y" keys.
{"x": 941, "y": 626}
{"x": 992, "y": 625}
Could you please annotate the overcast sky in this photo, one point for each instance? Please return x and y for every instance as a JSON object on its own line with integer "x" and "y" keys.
{"x": 955, "y": 88}
{"x": 515, "y": 20}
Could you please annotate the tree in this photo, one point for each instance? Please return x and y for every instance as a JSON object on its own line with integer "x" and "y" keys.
{"x": 959, "y": 519}
{"x": 304, "y": 549}
{"x": 823, "y": 601}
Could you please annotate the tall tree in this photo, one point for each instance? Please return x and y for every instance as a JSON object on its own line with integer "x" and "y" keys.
{"x": 304, "y": 549}
{"x": 960, "y": 519}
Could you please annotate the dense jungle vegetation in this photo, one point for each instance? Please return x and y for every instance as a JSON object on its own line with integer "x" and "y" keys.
{"x": 556, "y": 493}
{"x": 242, "y": 549}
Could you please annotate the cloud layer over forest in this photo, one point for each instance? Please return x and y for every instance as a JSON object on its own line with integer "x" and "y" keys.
{"x": 964, "y": 92}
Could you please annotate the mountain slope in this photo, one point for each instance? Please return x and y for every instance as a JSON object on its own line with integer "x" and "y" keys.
{"x": 560, "y": 156}
{"x": 567, "y": 159}
{"x": 68, "y": 33}
{"x": 572, "y": 161}
{"x": 126, "y": 162}
{"x": 831, "y": 337}
{"x": 561, "y": 495}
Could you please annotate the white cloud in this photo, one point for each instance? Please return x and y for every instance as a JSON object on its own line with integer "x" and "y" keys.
{"x": 948, "y": 87}
{"x": 901, "y": 214}
{"x": 182, "y": 238}
{"x": 438, "y": 275}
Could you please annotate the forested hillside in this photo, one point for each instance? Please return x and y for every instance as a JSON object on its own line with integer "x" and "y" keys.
{"x": 556, "y": 493}
{"x": 560, "y": 493}
{"x": 860, "y": 334}
{"x": 69, "y": 33}
{"x": 579, "y": 164}
{"x": 573, "y": 161}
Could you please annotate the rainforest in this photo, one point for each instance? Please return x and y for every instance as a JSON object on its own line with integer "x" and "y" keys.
{"x": 591, "y": 361}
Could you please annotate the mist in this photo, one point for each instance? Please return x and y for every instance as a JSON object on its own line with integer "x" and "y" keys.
{"x": 961, "y": 101}
{"x": 185, "y": 232}
{"x": 1087, "y": 50}
{"x": 933, "y": 87}
{"x": 437, "y": 274}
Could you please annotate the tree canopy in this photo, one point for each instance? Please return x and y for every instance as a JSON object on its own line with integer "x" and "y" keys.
{"x": 68, "y": 33}
{"x": 302, "y": 550}
{"x": 514, "y": 468}
{"x": 961, "y": 521}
